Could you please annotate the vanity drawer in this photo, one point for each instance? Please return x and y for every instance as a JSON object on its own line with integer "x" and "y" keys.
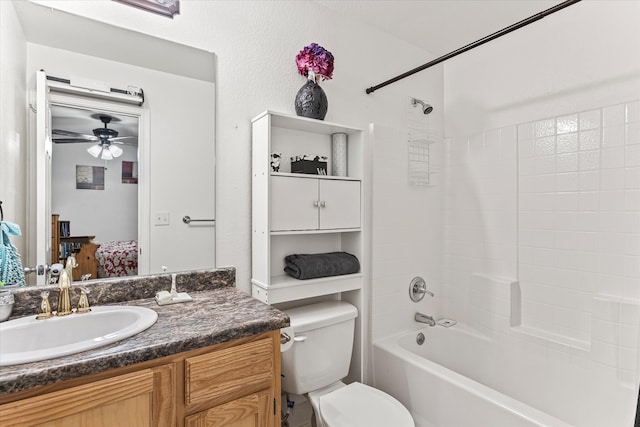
{"x": 227, "y": 374}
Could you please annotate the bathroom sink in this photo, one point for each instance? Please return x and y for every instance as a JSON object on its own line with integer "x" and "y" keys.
{"x": 26, "y": 339}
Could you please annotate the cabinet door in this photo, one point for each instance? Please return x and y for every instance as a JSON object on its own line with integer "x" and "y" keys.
{"x": 253, "y": 410}
{"x": 339, "y": 204}
{"x": 293, "y": 203}
{"x": 220, "y": 376}
{"x": 119, "y": 401}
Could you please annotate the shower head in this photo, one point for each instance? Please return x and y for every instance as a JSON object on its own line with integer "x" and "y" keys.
{"x": 426, "y": 108}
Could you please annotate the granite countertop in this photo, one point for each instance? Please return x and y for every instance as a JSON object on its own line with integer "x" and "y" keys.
{"x": 214, "y": 316}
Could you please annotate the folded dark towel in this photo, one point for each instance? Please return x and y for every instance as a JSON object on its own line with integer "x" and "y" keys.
{"x": 311, "y": 266}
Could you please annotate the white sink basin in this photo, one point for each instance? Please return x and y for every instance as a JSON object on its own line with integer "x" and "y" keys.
{"x": 29, "y": 340}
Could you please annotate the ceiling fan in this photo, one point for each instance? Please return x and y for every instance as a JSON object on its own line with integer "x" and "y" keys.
{"x": 103, "y": 137}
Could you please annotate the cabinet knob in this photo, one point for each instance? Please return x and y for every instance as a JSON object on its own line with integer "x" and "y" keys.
{"x": 323, "y": 204}
{"x": 316, "y": 203}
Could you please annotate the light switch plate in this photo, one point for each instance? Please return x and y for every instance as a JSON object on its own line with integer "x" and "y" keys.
{"x": 161, "y": 218}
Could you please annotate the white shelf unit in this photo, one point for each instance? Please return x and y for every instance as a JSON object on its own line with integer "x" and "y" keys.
{"x": 287, "y": 220}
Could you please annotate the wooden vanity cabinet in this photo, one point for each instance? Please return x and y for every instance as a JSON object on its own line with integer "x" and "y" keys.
{"x": 236, "y": 383}
{"x": 231, "y": 386}
{"x": 141, "y": 398}
{"x": 248, "y": 411}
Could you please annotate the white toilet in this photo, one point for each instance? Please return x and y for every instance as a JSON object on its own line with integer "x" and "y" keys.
{"x": 320, "y": 358}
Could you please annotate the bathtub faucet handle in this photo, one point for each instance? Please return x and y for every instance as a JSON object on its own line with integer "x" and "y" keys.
{"x": 418, "y": 289}
{"x": 423, "y": 289}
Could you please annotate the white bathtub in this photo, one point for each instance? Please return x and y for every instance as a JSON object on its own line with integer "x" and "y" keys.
{"x": 459, "y": 378}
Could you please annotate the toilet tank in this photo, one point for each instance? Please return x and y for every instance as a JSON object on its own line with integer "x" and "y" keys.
{"x": 321, "y": 353}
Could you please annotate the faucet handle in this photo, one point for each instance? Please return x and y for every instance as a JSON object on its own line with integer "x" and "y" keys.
{"x": 418, "y": 289}
{"x": 44, "y": 311}
{"x": 83, "y": 302}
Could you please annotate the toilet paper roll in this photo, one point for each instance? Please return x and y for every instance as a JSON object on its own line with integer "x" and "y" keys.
{"x": 286, "y": 338}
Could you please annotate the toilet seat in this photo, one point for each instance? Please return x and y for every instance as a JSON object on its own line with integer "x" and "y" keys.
{"x": 358, "y": 405}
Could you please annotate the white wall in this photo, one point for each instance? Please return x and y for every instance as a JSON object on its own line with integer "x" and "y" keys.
{"x": 13, "y": 128}
{"x": 109, "y": 214}
{"x": 583, "y": 57}
{"x": 256, "y": 43}
{"x": 555, "y": 204}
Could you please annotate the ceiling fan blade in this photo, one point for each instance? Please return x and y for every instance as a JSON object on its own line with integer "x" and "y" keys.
{"x": 121, "y": 138}
{"x": 74, "y": 134}
{"x": 73, "y": 140}
{"x": 129, "y": 143}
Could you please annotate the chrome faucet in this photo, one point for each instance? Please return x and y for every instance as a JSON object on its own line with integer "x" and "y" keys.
{"x": 423, "y": 318}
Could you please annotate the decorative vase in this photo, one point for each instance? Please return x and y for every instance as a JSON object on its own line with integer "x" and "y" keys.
{"x": 311, "y": 101}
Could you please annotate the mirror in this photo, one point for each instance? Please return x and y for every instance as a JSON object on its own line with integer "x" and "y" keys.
{"x": 94, "y": 190}
{"x": 176, "y": 121}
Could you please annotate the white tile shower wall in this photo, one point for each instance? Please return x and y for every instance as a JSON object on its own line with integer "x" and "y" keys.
{"x": 480, "y": 214}
{"x": 577, "y": 241}
{"x": 579, "y": 220}
{"x": 406, "y": 236}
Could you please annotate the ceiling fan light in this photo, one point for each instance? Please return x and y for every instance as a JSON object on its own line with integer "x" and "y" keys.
{"x": 115, "y": 151}
{"x": 106, "y": 154}
{"x": 95, "y": 150}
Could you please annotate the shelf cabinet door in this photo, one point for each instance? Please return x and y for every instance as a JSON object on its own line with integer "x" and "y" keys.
{"x": 293, "y": 203}
{"x": 314, "y": 204}
{"x": 339, "y": 204}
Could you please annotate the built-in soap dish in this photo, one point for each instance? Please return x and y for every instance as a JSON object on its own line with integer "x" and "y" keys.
{"x": 161, "y": 299}
{"x": 173, "y": 297}
{"x": 447, "y": 323}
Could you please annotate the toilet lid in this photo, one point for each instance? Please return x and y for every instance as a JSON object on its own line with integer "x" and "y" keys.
{"x": 358, "y": 405}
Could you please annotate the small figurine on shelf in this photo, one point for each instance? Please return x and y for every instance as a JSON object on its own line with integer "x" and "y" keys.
{"x": 275, "y": 162}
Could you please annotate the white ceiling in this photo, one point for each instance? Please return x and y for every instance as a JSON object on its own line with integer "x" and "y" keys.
{"x": 439, "y": 26}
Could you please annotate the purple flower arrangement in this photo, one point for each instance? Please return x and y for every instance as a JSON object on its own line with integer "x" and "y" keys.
{"x": 317, "y": 59}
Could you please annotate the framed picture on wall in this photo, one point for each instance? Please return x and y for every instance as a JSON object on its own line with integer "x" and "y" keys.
{"x": 89, "y": 177}
{"x": 129, "y": 172}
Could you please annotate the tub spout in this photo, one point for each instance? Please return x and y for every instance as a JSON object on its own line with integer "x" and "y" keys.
{"x": 423, "y": 318}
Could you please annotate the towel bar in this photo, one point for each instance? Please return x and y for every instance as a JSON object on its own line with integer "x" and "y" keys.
{"x": 187, "y": 219}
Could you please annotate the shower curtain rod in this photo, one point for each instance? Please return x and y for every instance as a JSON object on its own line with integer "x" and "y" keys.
{"x": 476, "y": 43}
